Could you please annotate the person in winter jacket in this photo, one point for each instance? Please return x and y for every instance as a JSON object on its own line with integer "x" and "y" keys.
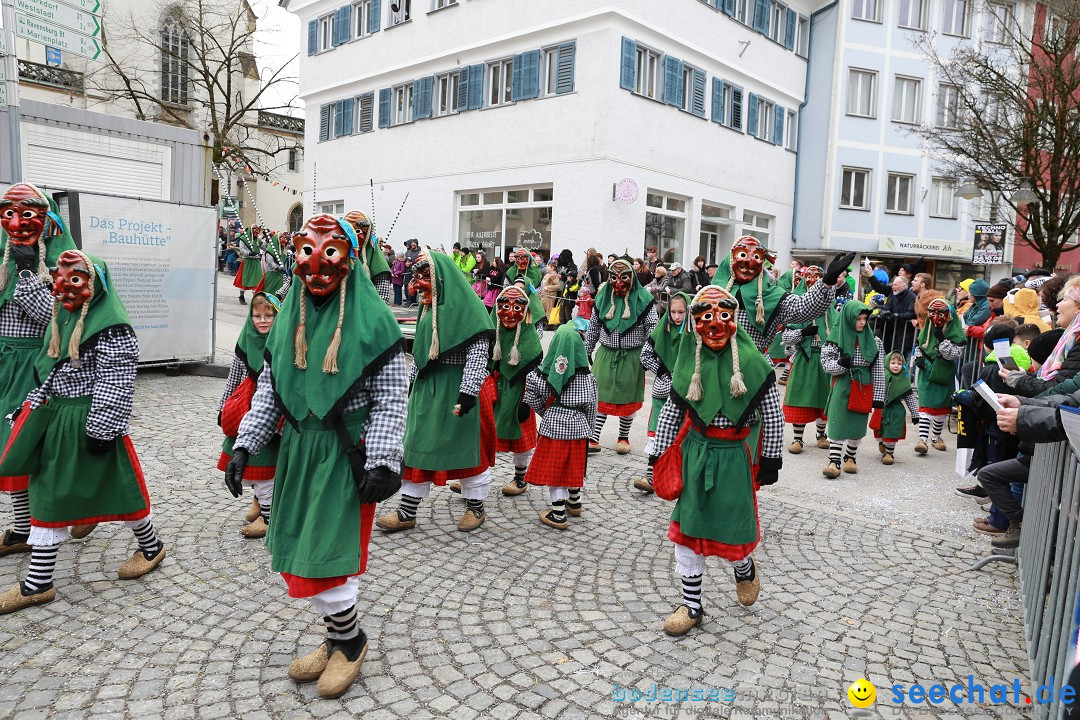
{"x": 679, "y": 280}
{"x": 1064, "y": 360}
{"x": 897, "y": 334}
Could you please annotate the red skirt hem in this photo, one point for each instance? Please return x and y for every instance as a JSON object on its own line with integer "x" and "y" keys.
{"x": 558, "y": 463}
{"x": 711, "y": 548}
{"x": 486, "y": 406}
{"x": 794, "y": 415}
{"x": 526, "y": 442}
{"x": 936, "y": 412}
{"x": 14, "y": 483}
{"x": 618, "y": 410}
{"x": 255, "y": 473}
{"x": 302, "y": 587}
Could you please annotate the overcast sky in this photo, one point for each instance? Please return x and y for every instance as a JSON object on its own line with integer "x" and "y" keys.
{"x": 276, "y": 42}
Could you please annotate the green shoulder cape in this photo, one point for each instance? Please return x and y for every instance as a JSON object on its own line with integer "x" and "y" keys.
{"x": 565, "y": 357}
{"x": 461, "y": 315}
{"x": 376, "y": 260}
{"x": 666, "y": 338}
{"x": 251, "y": 345}
{"x": 533, "y": 274}
{"x": 716, "y": 372}
{"x": 640, "y": 301}
{"x": 54, "y": 245}
{"x": 896, "y": 385}
{"x": 771, "y": 293}
{"x": 843, "y": 332}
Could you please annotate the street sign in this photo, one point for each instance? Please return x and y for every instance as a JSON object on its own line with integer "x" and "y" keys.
{"x": 53, "y": 56}
{"x": 89, "y": 6}
{"x": 57, "y": 37}
{"x": 57, "y": 13}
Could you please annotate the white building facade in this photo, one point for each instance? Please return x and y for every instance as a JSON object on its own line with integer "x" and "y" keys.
{"x": 563, "y": 124}
{"x": 864, "y": 181}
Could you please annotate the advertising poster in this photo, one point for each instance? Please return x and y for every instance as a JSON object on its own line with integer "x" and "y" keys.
{"x": 989, "y": 244}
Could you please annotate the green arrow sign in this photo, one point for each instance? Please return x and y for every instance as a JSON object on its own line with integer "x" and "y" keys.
{"x": 90, "y": 6}
{"x": 57, "y": 13}
{"x": 67, "y": 40}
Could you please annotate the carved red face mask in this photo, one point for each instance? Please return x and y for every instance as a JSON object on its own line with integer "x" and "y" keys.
{"x": 621, "y": 278}
{"x": 811, "y": 275}
{"x": 322, "y": 255}
{"x": 714, "y": 318}
{"x": 522, "y": 259}
{"x": 71, "y": 281}
{"x": 23, "y": 214}
{"x": 938, "y": 314}
{"x": 511, "y": 306}
{"x": 360, "y": 224}
{"x": 748, "y": 258}
{"x": 420, "y": 285}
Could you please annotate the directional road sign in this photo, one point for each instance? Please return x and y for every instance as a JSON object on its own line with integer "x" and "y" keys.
{"x": 90, "y": 6}
{"x": 57, "y": 13}
{"x": 66, "y": 40}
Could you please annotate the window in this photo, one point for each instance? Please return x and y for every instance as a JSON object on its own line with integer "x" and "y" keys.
{"x": 648, "y": 73}
{"x": 905, "y": 107}
{"x": 866, "y": 10}
{"x": 326, "y": 33}
{"x": 791, "y": 128}
{"x": 942, "y": 198}
{"x": 766, "y": 122}
{"x": 861, "y": 90}
{"x": 500, "y": 82}
{"x": 294, "y": 159}
{"x": 912, "y": 14}
{"x": 446, "y": 85}
{"x": 1056, "y": 28}
{"x": 401, "y": 111}
{"x": 549, "y": 68}
{"x": 334, "y": 207}
{"x": 665, "y": 225}
{"x": 174, "y": 63}
{"x": 507, "y": 218}
{"x": 948, "y": 106}
{"x": 999, "y": 22}
{"x": 399, "y": 12}
{"x": 802, "y": 36}
{"x": 743, "y": 8}
{"x": 993, "y": 114}
{"x": 688, "y": 89}
{"x": 956, "y": 12}
{"x": 898, "y": 198}
{"x": 777, "y": 21}
{"x": 727, "y": 104}
{"x": 365, "y": 105}
{"x": 855, "y": 189}
{"x": 326, "y": 121}
{"x": 756, "y": 225}
{"x": 440, "y": 4}
{"x": 361, "y": 14}
{"x": 296, "y": 218}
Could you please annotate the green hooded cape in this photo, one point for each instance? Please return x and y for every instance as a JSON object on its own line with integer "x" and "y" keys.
{"x": 667, "y": 338}
{"x": 716, "y": 372}
{"x": 640, "y": 301}
{"x": 54, "y": 245}
{"x": 106, "y": 311}
{"x": 251, "y": 345}
{"x": 533, "y": 274}
{"x": 376, "y": 260}
{"x": 896, "y": 385}
{"x": 787, "y": 280}
{"x": 954, "y": 333}
{"x": 772, "y": 294}
{"x": 528, "y": 346}
{"x": 369, "y": 337}
{"x": 565, "y": 357}
{"x": 462, "y": 316}
{"x": 843, "y": 332}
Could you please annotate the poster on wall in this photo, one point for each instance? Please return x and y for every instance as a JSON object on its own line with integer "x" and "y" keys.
{"x": 162, "y": 258}
{"x": 989, "y": 244}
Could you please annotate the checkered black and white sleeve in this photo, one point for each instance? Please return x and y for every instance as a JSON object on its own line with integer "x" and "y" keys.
{"x": 477, "y": 356}
{"x": 649, "y": 358}
{"x": 385, "y": 288}
{"x": 911, "y": 400}
{"x": 540, "y": 330}
{"x": 652, "y": 319}
{"x": 812, "y": 305}
{"x": 772, "y": 424}
{"x": 590, "y": 397}
{"x": 667, "y": 427}
{"x": 237, "y": 373}
{"x": 661, "y": 386}
{"x": 950, "y": 350}
{"x": 830, "y": 359}
{"x": 286, "y": 283}
{"x": 791, "y": 337}
{"x": 35, "y": 299}
{"x": 385, "y": 428}
{"x": 592, "y": 335}
{"x": 115, "y": 362}
{"x": 261, "y": 421}
{"x": 536, "y": 392}
{"x": 877, "y": 373}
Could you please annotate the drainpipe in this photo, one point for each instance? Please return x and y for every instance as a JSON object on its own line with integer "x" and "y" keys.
{"x": 802, "y": 106}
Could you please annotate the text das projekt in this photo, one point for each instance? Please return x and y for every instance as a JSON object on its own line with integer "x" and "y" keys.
{"x": 138, "y": 232}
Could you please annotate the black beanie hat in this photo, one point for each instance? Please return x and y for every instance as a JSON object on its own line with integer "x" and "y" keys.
{"x": 1041, "y": 347}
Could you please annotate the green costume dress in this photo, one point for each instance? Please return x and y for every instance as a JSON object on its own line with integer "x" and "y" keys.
{"x": 273, "y": 279}
{"x": 512, "y": 435}
{"x": 534, "y": 274}
{"x": 251, "y": 273}
{"x": 620, "y": 376}
{"x": 18, "y": 354}
{"x": 893, "y": 425}
{"x": 846, "y": 423}
{"x": 936, "y": 382}
{"x": 320, "y": 530}
{"x": 665, "y": 339}
{"x": 808, "y": 383}
{"x": 439, "y": 445}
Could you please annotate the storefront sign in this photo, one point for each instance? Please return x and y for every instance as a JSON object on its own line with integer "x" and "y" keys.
{"x": 989, "y": 244}
{"x": 924, "y": 247}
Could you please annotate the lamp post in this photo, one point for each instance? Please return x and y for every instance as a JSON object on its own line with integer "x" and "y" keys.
{"x": 1025, "y": 194}
{"x": 969, "y": 190}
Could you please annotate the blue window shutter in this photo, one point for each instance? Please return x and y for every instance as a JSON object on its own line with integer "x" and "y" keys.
{"x": 375, "y": 16}
{"x": 476, "y": 87}
{"x": 564, "y": 69}
{"x": 761, "y": 16}
{"x": 751, "y": 115}
{"x": 736, "y": 108}
{"x": 384, "y": 107}
{"x": 673, "y": 86}
{"x": 350, "y": 109}
{"x": 461, "y": 102}
{"x": 366, "y": 102}
{"x": 697, "y": 102}
{"x": 343, "y": 25}
{"x": 339, "y": 118}
{"x": 717, "y": 100}
{"x": 729, "y": 7}
{"x": 324, "y": 123}
{"x": 628, "y": 65}
{"x": 792, "y": 21}
{"x": 526, "y": 76}
{"x": 515, "y": 78}
{"x": 779, "y": 116}
{"x": 312, "y": 37}
{"x": 422, "y": 97}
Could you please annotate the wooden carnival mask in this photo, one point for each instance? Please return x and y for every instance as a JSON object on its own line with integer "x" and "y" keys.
{"x": 322, "y": 255}
{"x": 23, "y": 214}
{"x": 748, "y": 258}
{"x": 511, "y": 306}
{"x": 714, "y": 317}
{"x": 71, "y": 281}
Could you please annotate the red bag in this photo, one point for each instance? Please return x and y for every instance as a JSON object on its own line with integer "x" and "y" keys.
{"x": 667, "y": 473}
{"x": 236, "y": 407}
{"x": 860, "y": 397}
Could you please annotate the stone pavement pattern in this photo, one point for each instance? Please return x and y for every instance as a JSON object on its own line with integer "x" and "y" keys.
{"x": 861, "y": 576}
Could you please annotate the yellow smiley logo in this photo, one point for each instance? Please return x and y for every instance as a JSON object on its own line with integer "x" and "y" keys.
{"x": 861, "y": 693}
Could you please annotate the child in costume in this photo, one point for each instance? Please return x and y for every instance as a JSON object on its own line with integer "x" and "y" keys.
{"x": 624, "y": 316}
{"x": 250, "y": 274}
{"x": 852, "y": 355}
{"x": 808, "y": 391}
{"x": 941, "y": 343}
{"x": 722, "y": 389}
{"x": 244, "y": 372}
{"x": 371, "y": 257}
{"x": 451, "y": 423}
{"x": 33, "y": 236}
{"x": 564, "y": 393}
{"x": 888, "y": 422}
{"x": 82, "y": 464}
{"x": 658, "y": 356}
{"x": 335, "y": 370}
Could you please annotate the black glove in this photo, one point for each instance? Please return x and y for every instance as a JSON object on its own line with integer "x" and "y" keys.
{"x": 914, "y": 419}
{"x": 379, "y": 484}
{"x": 885, "y": 314}
{"x": 767, "y": 476}
{"x": 920, "y": 362}
{"x": 25, "y": 257}
{"x": 219, "y": 418}
{"x": 523, "y": 412}
{"x": 234, "y": 471}
{"x": 878, "y": 405}
{"x": 938, "y": 333}
{"x": 809, "y": 331}
{"x": 15, "y": 415}
{"x": 844, "y": 361}
{"x": 839, "y": 264}
{"x": 466, "y": 403}
{"x": 98, "y": 447}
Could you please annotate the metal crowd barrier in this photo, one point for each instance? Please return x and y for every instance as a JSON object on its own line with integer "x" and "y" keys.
{"x": 1049, "y": 559}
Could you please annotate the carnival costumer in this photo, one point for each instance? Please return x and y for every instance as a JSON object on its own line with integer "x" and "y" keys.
{"x": 888, "y": 422}
{"x": 274, "y": 280}
{"x": 33, "y": 237}
{"x": 723, "y": 397}
{"x": 624, "y": 316}
{"x": 247, "y": 365}
{"x": 250, "y": 274}
{"x": 451, "y": 423}
{"x": 524, "y": 267}
{"x": 941, "y": 343}
{"x": 808, "y": 389}
{"x": 370, "y": 256}
{"x": 563, "y": 392}
{"x": 88, "y": 472}
{"x": 335, "y": 371}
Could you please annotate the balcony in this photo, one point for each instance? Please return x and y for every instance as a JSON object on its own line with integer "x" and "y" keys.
{"x": 281, "y": 123}
{"x": 49, "y": 76}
